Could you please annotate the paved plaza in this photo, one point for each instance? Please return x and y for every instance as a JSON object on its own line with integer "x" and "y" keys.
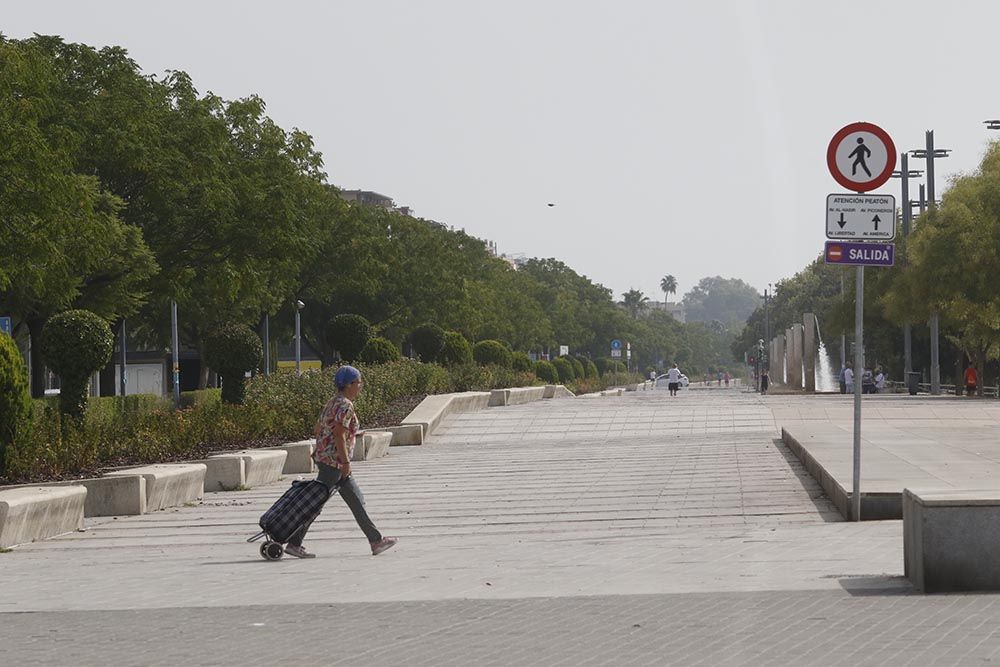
{"x": 639, "y": 529}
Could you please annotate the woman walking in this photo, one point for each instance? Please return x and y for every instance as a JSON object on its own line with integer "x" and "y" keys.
{"x": 336, "y": 431}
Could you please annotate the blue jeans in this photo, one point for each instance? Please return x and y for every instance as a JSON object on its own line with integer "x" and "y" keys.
{"x": 351, "y": 494}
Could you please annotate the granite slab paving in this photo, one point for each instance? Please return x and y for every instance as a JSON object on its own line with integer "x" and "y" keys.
{"x": 701, "y": 540}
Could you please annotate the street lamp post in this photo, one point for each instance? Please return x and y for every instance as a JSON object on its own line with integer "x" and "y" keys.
{"x": 175, "y": 347}
{"x": 904, "y": 174}
{"x": 929, "y": 154}
{"x": 298, "y": 337}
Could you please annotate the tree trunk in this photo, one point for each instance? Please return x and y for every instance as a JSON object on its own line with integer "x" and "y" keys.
{"x": 35, "y": 326}
{"x": 203, "y": 367}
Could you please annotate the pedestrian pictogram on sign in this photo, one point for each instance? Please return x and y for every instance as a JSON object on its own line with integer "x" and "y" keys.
{"x": 861, "y": 157}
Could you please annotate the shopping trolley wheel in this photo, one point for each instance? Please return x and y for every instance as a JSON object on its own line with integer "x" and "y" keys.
{"x": 272, "y": 550}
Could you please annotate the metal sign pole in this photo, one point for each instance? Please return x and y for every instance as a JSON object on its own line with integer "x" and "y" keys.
{"x": 859, "y": 361}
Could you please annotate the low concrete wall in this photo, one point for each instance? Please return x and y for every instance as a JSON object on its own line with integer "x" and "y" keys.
{"x": 874, "y": 506}
{"x": 951, "y": 539}
{"x": 169, "y": 484}
{"x": 37, "y": 512}
{"x": 433, "y": 409}
{"x": 123, "y": 495}
{"x": 299, "y": 456}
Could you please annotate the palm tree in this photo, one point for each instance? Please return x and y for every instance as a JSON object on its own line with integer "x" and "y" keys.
{"x": 668, "y": 285}
{"x": 634, "y": 301}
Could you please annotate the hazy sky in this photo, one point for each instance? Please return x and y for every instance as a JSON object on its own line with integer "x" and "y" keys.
{"x": 686, "y": 138}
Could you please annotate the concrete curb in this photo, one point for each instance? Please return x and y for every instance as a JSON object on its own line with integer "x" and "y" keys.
{"x": 122, "y": 495}
{"x": 169, "y": 484}
{"x": 35, "y": 513}
{"x": 411, "y": 434}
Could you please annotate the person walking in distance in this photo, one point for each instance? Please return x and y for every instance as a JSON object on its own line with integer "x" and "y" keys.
{"x": 765, "y": 380}
{"x": 336, "y": 431}
{"x": 971, "y": 380}
{"x": 849, "y": 379}
{"x": 674, "y": 380}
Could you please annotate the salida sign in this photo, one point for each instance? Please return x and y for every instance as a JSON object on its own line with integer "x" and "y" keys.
{"x": 859, "y": 254}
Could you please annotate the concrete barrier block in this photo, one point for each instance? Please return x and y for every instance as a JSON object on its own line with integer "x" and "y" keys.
{"x": 557, "y": 391}
{"x": 224, "y": 473}
{"x": 412, "y": 434}
{"x": 377, "y": 444}
{"x": 169, "y": 484}
{"x": 499, "y": 397}
{"x": 261, "y": 466}
{"x": 521, "y": 395}
{"x": 951, "y": 538}
{"x": 123, "y": 495}
{"x": 37, "y": 512}
{"x": 299, "y": 457}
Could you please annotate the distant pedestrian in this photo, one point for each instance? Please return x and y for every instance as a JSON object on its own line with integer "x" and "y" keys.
{"x": 971, "y": 380}
{"x": 867, "y": 382}
{"x": 879, "y": 381}
{"x": 727, "y": 377}
{"x": 336, "y": 431}
{"x": 843, "y": 383}
{"x": 674, "y": 380}
{"x": 764, "y": 381}
{"x": 848, "y": 379}
{"x": 720, "y": 378}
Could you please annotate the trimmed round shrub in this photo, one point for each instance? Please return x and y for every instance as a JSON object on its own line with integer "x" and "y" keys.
{"x": 602, "y": 364}
{"x": 546, "y": 372}
{"x": 349, "y": 333}
{"x": 564, "y": 369}
{"x": 590, "y": 369}
{"x": 232, "y": 350}
{"x": 75, "y": 344}
{"x": 427, "y": 341}
{"x": 380, "y": 351}
{"x": 15, "y": 401}
{"x": 456, "y": 351}
{"x": 520, "y": 362}
{"x": 487, "y": 352}
{"x": 578, "y": 371}
{"x": 614, "y": 367}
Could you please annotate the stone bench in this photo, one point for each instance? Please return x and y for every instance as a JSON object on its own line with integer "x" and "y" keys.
{"x": 118, "y": 495}
{"x": 557, "y": 391}
{"x": 298, "y": 456}
{"x": 371, "y": 445}
{"x": 516, "y": 396}
{"x": 429, "y": 413}
{"x": 951, "y": 539}
{"x": 410, "y": 434}
{"x": 32, "y": 513}
{"x": 168, "y": 484}
{"x": 244, "y": 469}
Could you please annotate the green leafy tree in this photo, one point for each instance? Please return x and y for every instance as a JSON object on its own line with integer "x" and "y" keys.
{"x": 564, "y": 369}
{"x": 349, "y": 334}
{"x": 380, "y": 351}
{"x": 428, "y": 341}
{"x": 728, "y": 300}
{"x": 15, "y": 402}
{"x": 520, "y": 362}
{"x": 546, "y": 372}
{"x": 668, "y": 284}
{"x": 634, "y": 302}
{"x": 233, "y": 350}
{"x": 75, "y": 344}
{"x": 456, "y": 351}
{"x": 487, "y": 352}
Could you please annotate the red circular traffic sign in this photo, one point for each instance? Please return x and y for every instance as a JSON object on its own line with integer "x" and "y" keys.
{"x": 861, "y": 157}
{"x": 834, "y": 253}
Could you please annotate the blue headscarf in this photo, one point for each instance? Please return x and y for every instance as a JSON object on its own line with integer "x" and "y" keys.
{"x": 345, "y": 375}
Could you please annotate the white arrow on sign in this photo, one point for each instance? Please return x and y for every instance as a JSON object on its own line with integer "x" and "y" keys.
{"x": 861, "y": 217}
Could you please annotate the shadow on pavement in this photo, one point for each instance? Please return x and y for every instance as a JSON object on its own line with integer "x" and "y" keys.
{"x": 824, "y": 506}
